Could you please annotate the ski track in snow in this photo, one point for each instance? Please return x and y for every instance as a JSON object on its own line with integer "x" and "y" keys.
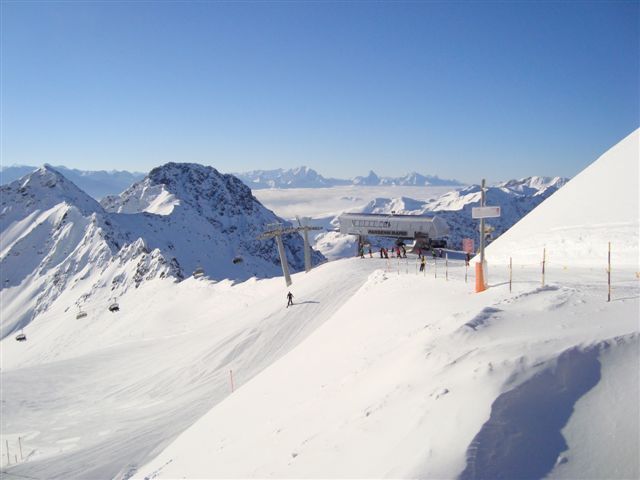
{"x": 95, "y": 385}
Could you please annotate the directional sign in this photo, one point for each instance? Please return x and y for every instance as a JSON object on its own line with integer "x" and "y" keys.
{"x": 485, "y": 212}
{"x": 467, "y": 245}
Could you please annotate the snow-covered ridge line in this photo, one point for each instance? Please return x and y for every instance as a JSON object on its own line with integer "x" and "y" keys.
{"x": 96, "y": 183}
{"x": 180, "y": 217}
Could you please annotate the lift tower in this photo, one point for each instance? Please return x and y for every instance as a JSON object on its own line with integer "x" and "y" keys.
{"x": 276, "y": 230}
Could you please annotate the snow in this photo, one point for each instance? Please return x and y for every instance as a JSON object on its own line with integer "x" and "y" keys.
{"x": 180, "y": 217}
{"x": 598, "y": 206}
{"x": 397, "y": 384}
{"x": 378, "y": 370}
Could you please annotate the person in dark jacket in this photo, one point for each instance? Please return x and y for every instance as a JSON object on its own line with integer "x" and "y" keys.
{"x": 290, "y": 299}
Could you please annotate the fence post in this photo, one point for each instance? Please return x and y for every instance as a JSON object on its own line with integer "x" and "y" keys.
{"x": 544, "y": 260}
{"x": 435, "y": 267}
{"x": 510, "y": 273}
{"x": 8, "y": 457}
{"x": 20, "y": 444}
{"x": 446, "y": 266}
{"x": 231, "y": 379}
{"x": 609, "y": 273}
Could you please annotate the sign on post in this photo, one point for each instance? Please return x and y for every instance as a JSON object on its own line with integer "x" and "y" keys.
{"x": 485, "y": 212}
{"x": 467, "y": 245}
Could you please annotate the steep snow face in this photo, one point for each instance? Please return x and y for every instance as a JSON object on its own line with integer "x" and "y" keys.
{"x": 598, "y": 206}
{"x": 142, "y": 196}
{"x": 40, "y": 190}
{"x": 54, "y": 238}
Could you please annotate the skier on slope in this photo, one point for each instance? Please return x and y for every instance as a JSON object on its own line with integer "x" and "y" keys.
{"x": 290, "y": 299}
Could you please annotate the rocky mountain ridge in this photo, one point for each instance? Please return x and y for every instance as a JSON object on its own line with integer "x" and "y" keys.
{"x": 56, "y": 238}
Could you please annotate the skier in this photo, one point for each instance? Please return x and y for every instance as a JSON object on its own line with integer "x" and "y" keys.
{"x": 423, "y": 262}
{"x": 290, "y": 299}
{"x": 381, "y": 252}
{"x": 370, "y": 253}
{"x": 467, "y": 259}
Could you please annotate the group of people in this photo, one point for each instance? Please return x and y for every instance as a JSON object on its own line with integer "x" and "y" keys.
{"x": 398, "y": 251}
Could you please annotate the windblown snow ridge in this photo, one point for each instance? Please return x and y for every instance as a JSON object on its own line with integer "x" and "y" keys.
{"x": 523, "y": 436}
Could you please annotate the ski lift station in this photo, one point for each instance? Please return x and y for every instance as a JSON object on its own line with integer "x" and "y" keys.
{"x": 421, "y": 228}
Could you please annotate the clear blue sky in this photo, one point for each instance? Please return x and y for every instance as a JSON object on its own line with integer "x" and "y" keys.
{"x": 458, "y": 89}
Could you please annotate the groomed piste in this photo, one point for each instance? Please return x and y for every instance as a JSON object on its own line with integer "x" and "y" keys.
{"x": 376, "y": 371}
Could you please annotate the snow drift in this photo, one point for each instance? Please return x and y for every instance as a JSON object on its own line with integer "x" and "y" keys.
{"x": 598, "y": 206}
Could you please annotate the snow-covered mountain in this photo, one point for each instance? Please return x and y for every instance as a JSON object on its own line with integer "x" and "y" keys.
{"x": 56, "y": 238}
{"x": 410, "y": 179}
{"x": 533, "y": 185}
{"x": 98, "y": 183}
{"x": 515, "y": 197}
{"x": 300, "y": 177}
{"x": 304, "y": 177}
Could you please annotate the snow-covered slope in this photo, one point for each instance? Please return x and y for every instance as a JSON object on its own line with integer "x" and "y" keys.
{"x": 180, "y": 217}
{"x": 417, "y": 377}
{"x": 378, "y": 370}
{"x": 600, "y": 205}
{"x": 98, "y": 183}
{"x": 54, "y": 237}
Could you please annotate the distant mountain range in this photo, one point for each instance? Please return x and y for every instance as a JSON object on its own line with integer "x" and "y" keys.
{"x": 305, "y": 177}
{"x": 101, "y": 183}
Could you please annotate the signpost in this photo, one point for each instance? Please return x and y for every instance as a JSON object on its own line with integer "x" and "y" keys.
{"x": 485, "y": 212}
{"x": 482, "y": 212}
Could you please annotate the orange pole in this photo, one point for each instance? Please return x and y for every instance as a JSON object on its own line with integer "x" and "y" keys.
{"x": 479, "y": 278}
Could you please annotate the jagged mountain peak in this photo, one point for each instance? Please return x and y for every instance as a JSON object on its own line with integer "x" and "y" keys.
{"x": 534, "y": 182}
{"x": 203, "y": 188}
{"x": 44, "y": 188}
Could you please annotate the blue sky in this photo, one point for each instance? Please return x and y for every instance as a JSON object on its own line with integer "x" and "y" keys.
{"x": 458, "y": 89}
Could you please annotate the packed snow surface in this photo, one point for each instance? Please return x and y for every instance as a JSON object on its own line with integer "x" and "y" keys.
{"x": 377, "y": 370}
